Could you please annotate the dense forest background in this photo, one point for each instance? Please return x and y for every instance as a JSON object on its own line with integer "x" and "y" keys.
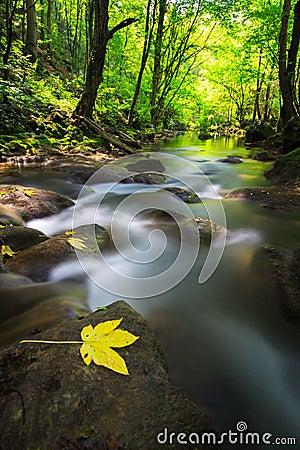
{"x": 149, "y": 65}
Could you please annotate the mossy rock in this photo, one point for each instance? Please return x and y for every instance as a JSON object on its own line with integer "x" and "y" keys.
{"x": 286, "y": 168}
{"x": 257, "y": 132}
{"x": 184, "y": 195}
{"x": 291, "y": 135}
{"x": 32, "y": 203}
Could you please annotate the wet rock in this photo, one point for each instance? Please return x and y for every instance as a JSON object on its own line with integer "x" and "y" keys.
{"x": 204, "y": 226}
{"x": 274, "y": 197}
{"x": 31, "y": 308}
{"x": 19, "y": 238}
{"x": 111, "y": 173}
{"x": 286, "y": 276}
{"x": 286, "y": 168}
{"x": 183, "y": 194}
{"x": 265, "y": 155}
{"x": 48, "y": 395}
{"x": 13, "y": 280}
{"x": 148, "y": 178}
{"x": 207, "y": 228}
{"x": 32, "y": 203}
{"x": 231, "y": 159}
{"x": 291, "y": 135}
{"x": 259, "y": 131}
{"x": 146, "y": 165}
{"x": 9, "y": 215}
{"x": 75, "y": 171}
{"x": 36, "y": 262}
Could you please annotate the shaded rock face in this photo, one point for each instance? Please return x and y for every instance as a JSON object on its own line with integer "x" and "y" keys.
{"x": 274, "y": 197}
{"x": 291, "y": 135}
{"x": 19, "y": 238}
{"x": 257, "y": 132}
{"x": 40, "y": 203}
{"x": 265, "y": 155}
{"x": 51, "y": 399}
{"x": 12, "y": 280}
{"x": 34, "y": 307}
{"x": 286, "y": 276}
{"x": 286, "y": 168}
{"x": 37, "y": 261}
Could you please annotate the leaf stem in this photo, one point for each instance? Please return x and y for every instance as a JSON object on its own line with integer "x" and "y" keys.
{"x": 50, "y": 342}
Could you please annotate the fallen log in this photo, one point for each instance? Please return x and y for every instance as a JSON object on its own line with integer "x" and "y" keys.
{"x": 99, "y": 130}
{"x": 126, "y": 139}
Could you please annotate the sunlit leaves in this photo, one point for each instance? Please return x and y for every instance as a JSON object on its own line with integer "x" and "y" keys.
{"x": 6, "y": 250}
{"x": 77, "y": 243}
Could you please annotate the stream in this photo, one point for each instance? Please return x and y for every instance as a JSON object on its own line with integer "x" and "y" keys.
{"x": 228, "y": 343}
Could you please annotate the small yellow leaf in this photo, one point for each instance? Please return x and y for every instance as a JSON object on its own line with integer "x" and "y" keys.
{"x": 2, "y": 226}
{"x": 97, "y": 343}
{"x": 30, "y": 192}
{"x": 77, "y": 243}
{"x": 69, "y": 233}
{"x": 6, "y": 250}
{"x": 3, "y": 192}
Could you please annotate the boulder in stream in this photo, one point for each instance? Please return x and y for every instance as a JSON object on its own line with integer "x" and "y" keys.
{"x": 51, "y": 399}
{"x": 32, "y": 203}
{"x": 19, "y": 238}
{"x": 28, "y": 309}
{"x": 37, "y": 261}
{"x": 184, "y": 195}
{"x": 285, "y": 269}
{"x": 204, "y": 226}
{"x": 274, "y": 197}
{"x": 286, "y": 168}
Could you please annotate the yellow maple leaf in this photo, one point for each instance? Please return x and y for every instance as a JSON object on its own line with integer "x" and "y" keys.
{"x": 68, "y": 233}
{"x": 77, "y": 243}
{"x": 6, "y": 250}
{"x": 98, "y": 342}
{"x": 30, "y": 192}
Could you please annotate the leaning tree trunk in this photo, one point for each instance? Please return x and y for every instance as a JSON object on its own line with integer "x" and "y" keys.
{"x": 31, "y": 32}
{"x": 94, "y": 75}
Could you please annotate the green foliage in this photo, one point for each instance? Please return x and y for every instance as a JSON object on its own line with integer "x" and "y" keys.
{"x": 224, "y": 72}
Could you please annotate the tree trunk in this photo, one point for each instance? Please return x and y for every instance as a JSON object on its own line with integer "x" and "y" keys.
{"x": 146, "y": 48}
{"x": 31, "y": 32}
{"x": 157, "y": 60}
{"x": 94, "y": 75}
{"x": 288, "y": 109}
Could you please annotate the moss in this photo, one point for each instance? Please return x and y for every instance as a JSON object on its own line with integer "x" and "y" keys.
{"x": 286, "y": 168}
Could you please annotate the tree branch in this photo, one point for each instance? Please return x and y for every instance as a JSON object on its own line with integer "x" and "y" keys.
{"x": 121, "y": 25}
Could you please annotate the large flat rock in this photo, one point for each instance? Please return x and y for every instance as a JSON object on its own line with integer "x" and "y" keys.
{"x": 51, "y": 399}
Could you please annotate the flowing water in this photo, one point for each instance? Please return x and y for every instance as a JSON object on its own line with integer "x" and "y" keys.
{"x": 228, "y": 343}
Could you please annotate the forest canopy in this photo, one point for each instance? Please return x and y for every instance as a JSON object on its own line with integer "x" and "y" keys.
{"x": 153, "y": 64}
